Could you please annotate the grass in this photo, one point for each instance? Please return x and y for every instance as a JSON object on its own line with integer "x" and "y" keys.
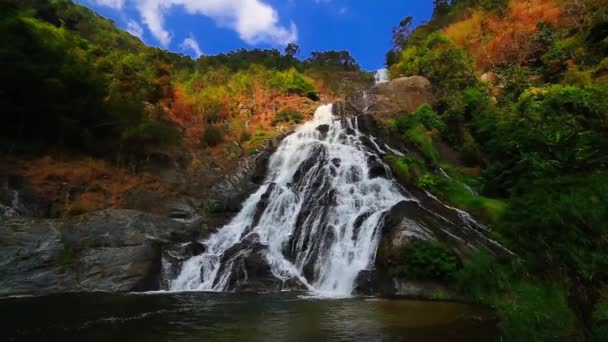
{"x": 457, "y": 194}
{"x": 418, "y": 135}
{"x": 406, "y": 169}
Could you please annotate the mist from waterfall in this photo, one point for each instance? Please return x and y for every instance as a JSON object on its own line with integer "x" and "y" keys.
{"x": 318, "y": 214}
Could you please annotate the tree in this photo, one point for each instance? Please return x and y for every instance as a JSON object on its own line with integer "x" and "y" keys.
{"x": 292, "y": 49}
{"x": 335, "y": 59}
{"x": 441, "y": 8}
{"x": 402, "y": 32}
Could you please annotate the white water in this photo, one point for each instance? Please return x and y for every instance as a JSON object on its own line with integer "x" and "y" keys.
{"x": 381, "y": 76}
{"x": 324, "y": 235}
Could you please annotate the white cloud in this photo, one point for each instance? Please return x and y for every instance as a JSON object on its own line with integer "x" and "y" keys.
{"x": 135, "y": 29}
{"x": 255, "y": 21}
{"x": 111, "y": 3}
{"x": 192, "y": 44}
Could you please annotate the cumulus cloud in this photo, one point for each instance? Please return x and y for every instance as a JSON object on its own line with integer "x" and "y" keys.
{"x": 254, "y": 20}
{"x": 135, "y": 29}
{"x": 191, "y": 44}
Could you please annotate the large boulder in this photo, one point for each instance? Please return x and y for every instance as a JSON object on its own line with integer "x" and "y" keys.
{"x": 423, "y": 219}
{"x": 250, "y": 271}
{"x": 112, "y": 250}
{"x": 401, "y": 95}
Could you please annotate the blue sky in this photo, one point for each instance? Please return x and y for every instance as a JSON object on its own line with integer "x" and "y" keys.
{"x": 195, "y": 27}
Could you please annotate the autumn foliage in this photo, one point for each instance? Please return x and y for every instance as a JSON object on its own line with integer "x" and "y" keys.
{"x": 493, "y": 39}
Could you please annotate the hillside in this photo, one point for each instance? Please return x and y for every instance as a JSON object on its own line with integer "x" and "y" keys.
{"x": 521, "y": 100}
{"x": 87, "y": 103}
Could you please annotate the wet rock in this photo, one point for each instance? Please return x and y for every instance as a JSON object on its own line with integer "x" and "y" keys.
{"x": 17, "y": 194}
{"x": 377, "y": 169}
{"x": 112, "y": 250}
{"x": 260, "y": 208}
{"x": 401, "y": 95}
{"x": 323, "y": 129}
{"x": 425, "y": 219}
{"x": 249, "y": 270}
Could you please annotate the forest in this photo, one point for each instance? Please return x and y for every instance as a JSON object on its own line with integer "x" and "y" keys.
{"x": 522, "y": 94}
{"x": 73, "y": 81}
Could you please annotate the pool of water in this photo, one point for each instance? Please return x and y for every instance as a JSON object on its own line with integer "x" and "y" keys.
{"x": 199, "y": 316}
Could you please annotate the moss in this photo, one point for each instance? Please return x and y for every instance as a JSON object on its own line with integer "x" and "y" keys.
{"x": 459, "y": 195}
{"x": 407, "y": 169}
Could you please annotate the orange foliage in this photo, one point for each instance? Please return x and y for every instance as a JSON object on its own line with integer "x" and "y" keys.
{"x": 80, "y": 185}
{"x": 183, "y": 115}
{"x": 493, "y": 39}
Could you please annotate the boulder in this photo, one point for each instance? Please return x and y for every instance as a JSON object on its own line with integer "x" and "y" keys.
{"x": 424, "y": 219}
{"x": 111, "y": 250}
{"x": 250, "y": 271}
{"x": 401, "y": 95}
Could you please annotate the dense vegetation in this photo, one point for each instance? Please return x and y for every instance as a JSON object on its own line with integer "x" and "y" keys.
{"x": 532, "y": 132}
{"x": 72, "y": 80}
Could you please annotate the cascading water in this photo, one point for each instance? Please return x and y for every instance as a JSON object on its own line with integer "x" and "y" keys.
{"x": 315, "y": 220}
{"x": 381, "y": 76}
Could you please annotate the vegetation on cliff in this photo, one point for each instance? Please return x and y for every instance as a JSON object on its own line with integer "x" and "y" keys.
{"x": 76, "y": 87}
{"x": 522, "y": 95}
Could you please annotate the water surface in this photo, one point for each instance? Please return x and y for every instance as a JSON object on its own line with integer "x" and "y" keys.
{"x": 197, "y": 316}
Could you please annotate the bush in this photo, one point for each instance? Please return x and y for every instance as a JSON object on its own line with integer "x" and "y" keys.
{"x": 527, "y": 311}
{"x": 461, "y": 196}
{"x": 288, "y": 115}
{"x": 292, "y": 81}
{"x": 245, "y": 136}
{"x": 151, "y": 132}
{"x": 407, "y": 170}
{"x": 420, "y": 137}
{"x": 600, "y": 320}
{"x": 561, "y": 224}
{"x": 212, "y": 137}
{"x": 427, "y": 182}
{"x": 576, "y": 77}
{"x": 426, "y": 260}
{"x": 424, "y": 115}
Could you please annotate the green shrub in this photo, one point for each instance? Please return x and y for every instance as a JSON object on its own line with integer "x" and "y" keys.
{"x": 245, "y": 136}
{"x": 288, "y": 115}
{"x": 576, "y": 77}
{"x": 459, "y": 195}
{"x": 151, "y": 132}
{"x": 471, "y": 154}
{"x": 427, "y": 182}
{"x": 406, "y": 169}
{"x": 426, "y": 260}
{"x": 292, "y": 81}
{"x": 561, "y": 224}
{"x": 419, "y": 136}
{"x": 424, "y": 115}
{"x": 527, "y": 310}
{"x": 600, "y": 321}
{"x": 212, "y": 136}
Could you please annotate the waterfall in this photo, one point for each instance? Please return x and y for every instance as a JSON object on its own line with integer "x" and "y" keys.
{"x": 381, "y": 76}
{"x": 316, "y": 219}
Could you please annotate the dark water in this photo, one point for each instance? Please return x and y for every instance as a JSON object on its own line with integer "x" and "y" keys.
{"x": 238, "y": 317}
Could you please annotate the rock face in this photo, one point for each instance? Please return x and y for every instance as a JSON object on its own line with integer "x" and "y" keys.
{"x": 388, "y": 99}
{"x": 250, "y": 271}
{"x": 112, "y": 250}
{"x": 425, "y": 219}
